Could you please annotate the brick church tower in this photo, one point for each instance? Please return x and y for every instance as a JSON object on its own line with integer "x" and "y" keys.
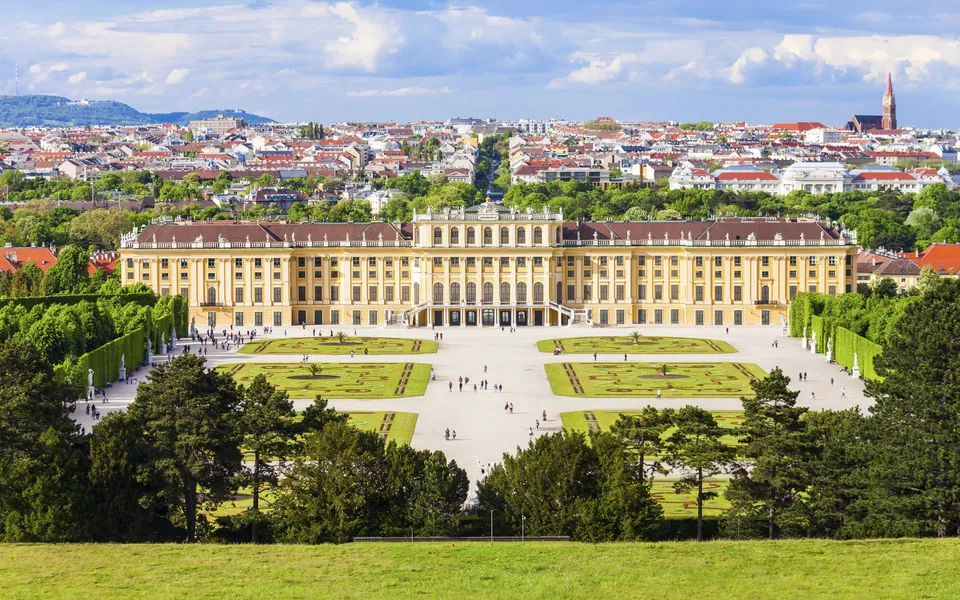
{"x": 889, "y": 106}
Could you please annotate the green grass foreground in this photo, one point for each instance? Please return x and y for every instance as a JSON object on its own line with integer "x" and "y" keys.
{"x": 642, "y": 380}
{"x": 645, "y": 345}
{"x": 360, "y": 380}
{"x": 330, "y": 345}
{"x": 797, "y": 570}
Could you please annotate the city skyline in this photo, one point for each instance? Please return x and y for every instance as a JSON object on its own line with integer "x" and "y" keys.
{"x": 297, "y": 60}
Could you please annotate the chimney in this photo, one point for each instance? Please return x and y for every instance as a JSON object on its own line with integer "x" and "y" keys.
{"x": 873, "y": 261}
{"x": 916, "y": 253}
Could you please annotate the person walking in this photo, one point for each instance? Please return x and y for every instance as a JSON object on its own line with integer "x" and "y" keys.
{"x": 511, "y": 408}
{"x": 461, "y": 386}
{"x": 537, "y": 423}
{"x": 544, "y": 415}
{"x": 594, "y": 357}
{"x": 484, "y": 368}
{"x": 474, "y": 388}
{"x": 624, "y": 358}
{"x": 454, "y": 434}
{"x": 451, "y": 386}
{"x": 843, "y": 392}
{"x": 659, "y": 395}
{"x": 831, "y": 381}
{"x": 531, "y": 432}
{"x": 506, "y": 406}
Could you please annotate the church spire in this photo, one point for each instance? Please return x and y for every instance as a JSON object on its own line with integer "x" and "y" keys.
{"x": 889, "y": 120}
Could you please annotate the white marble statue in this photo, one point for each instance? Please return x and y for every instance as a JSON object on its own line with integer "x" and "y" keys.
{"x": 813, "y": 343}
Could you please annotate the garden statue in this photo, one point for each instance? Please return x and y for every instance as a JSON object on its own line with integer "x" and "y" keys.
{"x": 803, "y": 342}
{"x": 149, "y": 352}
{"x": 829, "y": 350}
{"x": 813, "y": 343}
{"x": 856, "y": 366}
{"x": 123, "y": 369}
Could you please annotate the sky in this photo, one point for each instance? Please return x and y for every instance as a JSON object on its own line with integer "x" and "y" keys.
{"x": 299, "y": 60}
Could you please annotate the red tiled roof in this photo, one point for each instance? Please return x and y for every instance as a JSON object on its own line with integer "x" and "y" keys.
{"x": 12, "y": 259}
{"x": 747, "y": 176}
{"x": 799, "y": 126}
{"x": 942, "y": 257}
{"x": 884, "y": 176}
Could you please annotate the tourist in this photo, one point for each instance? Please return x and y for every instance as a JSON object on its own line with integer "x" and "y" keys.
{"x": 843, "y": 392}
{"x": 537, "y": 422}
{"x": 544, "y": 415}
{"x": 454, "y": 434}
{"x": 351, "y": 354}
{"x": 501, "y": 387}
{"x": 474, "y": 388}
{"x": 511, "y": 408}
{"x": 624, "y": 358}
{"x": 813, "y": 397}
{"x": 594, "y": 357}
{"x": 484, "y": 368}
{"x": 441, "y": 336}
{"x": 366, "y": 351}
{"x": 446, "y": 434}
{"x": 659, "y": 395}
{"x": 728, "y": 331}
{"x": 494, "y": 388}
{"x": 506, "y": 406}
{"x": 776, "y": 343}
{"x": 804, "y": 375}
{"x": 461, "y": 386}
{"x": 451, "y": 386}
{"x": 831, "y": 381}
{"x": 531, "y": 432}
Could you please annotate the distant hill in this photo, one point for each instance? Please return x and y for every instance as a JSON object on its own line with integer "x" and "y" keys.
{"x": 56, "y": 111}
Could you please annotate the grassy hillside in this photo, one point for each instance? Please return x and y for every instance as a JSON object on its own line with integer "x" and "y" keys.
{"x": 56, "y": 111}
{"x": 714, "y": 570}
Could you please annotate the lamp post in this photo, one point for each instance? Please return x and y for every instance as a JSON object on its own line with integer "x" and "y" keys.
{"x": 491, "y": 525}
{"x": 523, "y": 524}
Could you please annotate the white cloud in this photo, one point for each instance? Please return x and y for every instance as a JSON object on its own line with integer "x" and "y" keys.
{"x": 57, "y": 29}
{"x": 404, "y": 91}
{"x": 40, "y": 74}
{"x": 374, "y": 35}
{"x": 809, "y": 58}
{"x": 604, "y": 68}
{"x": 177, "y": 76}
{"x": 77, "y": 78}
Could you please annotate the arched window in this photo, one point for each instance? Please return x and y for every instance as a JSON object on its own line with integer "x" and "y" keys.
{"x": 537, "y": 235}
{"x": 560, "y": 291}
{"x": 504, "y": 292}
{"x": 454, "y": 236}
{"x": 416, "y": 293}
{"x": 558, "y": 236}
{"x": 488, "y": 293}
{"x": 471, "y": 236}
{"x": 455, "y": 293}
{"x": 437, "y": 236}
{"x": 416, "y": 236}
{"x": 211, "y": 295}
{"x": 765, "y": 294}
{"x": 522, "y": 235}
{"x": 438, "y": 293}
{"x": 471, "y": 293}
{"x": 487, "y": 235}
{"x": 504, "y": 236}
{"x": 538, "y": 293}
{"x": 521, "y": 293}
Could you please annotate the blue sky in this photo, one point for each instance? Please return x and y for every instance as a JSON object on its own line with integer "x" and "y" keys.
{"x": 421, "y": 59}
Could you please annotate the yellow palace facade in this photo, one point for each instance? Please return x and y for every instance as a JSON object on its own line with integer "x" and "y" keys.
{"x": 490, "y": 266}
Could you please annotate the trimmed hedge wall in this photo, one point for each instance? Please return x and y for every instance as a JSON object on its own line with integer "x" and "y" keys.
{"x": 105, "y": 361}
{"x": 846, "y": 344}
{"x": 30, "y": 302}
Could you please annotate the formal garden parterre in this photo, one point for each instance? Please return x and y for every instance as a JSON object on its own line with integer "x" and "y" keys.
{"x": 332, "y": 345}
{"x": 305, "y": 381}
{"x": 673, "y": 380}
{"x": 635, "y": 344}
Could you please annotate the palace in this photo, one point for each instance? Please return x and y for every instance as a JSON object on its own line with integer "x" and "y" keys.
{"x": 490, "y": 265}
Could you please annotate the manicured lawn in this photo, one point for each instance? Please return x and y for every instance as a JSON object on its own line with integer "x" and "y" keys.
{"x": 601, "y": 420}
{"x": 794, "y": 570}
{"x": 330, "y": 345}
{"x": 391, "y": 426}
{"x": 339, "y": 380}
{"x": 625, "y": 345}
{"x": 681, "y": 506}
{"x": 630, "y": 379}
